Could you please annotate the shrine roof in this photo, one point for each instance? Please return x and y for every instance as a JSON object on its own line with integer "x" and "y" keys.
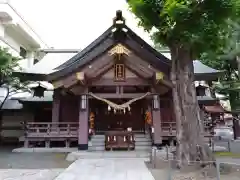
{"x": 56, "y": 65}
{"x": 48, "y": 97}
{"x": 12, "y": 104}
{"x": 204, "y": 72}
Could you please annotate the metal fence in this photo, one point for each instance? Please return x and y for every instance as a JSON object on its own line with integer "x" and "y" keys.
{"x": 163, "y": 166}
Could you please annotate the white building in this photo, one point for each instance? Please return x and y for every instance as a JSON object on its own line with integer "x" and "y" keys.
{"x": 18, "y": 36}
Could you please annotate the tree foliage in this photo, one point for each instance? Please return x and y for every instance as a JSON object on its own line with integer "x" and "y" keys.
{"x": 12, "y": 84}
{"x": 225, "y": 58}
{"x": 198, "y": 24}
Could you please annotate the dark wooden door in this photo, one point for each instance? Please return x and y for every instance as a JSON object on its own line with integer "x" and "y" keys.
{"x": 109, "y": 120}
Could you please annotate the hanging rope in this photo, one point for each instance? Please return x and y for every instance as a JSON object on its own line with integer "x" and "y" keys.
{"x": 123, "y": 106}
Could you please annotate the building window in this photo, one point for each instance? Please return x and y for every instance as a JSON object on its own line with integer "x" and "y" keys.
{"x": 23, "y": 52}
{"x": 119, "y": 72}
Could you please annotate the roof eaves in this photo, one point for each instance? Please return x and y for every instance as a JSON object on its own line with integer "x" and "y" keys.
{"x": 83, "y": 60}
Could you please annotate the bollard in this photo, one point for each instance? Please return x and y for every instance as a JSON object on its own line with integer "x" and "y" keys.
{"x": 218, "y": 170}
{"x": 167, "y": 152}
{"x": 169, "y": 169}
{"x": 229, "y": 146}
{"x": 212, "y": 145}
{"x": 151, "y": 156}
{"x": 154, "y": 157}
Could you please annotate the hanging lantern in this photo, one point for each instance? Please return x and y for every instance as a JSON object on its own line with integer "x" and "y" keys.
{"x": 38, "y": 91}
{"x": 155, "y": 102}
{"x": 83, "y": 102}
{"x": 109, "y": 108}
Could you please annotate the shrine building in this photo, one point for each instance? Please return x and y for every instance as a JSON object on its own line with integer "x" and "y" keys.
{"x": 118, "y": 87}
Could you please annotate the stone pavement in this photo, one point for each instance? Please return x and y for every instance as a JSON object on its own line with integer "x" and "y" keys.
{"x": 29, "y": 174}
{"x": 107, "y": 169}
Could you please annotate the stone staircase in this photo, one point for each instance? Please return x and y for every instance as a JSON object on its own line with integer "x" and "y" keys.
{"x": 98, "y": 143}
{"x": 142, "y": 142}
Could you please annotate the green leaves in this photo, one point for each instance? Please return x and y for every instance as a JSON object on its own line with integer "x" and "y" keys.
{"x": 192, "y": 23}
{"x": 8, "y": 64}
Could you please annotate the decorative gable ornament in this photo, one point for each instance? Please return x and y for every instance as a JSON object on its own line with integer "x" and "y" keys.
{"x": 159, "y": 76}
{"x": 119, "y": 49}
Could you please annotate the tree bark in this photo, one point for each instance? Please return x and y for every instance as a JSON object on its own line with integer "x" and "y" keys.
{"x": 190, "y": 138}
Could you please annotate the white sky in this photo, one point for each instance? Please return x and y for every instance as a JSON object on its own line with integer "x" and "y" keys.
{"x": 73, "y": 23}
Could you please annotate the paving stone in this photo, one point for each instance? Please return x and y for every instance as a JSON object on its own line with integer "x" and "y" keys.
{"x": 29, "y": 174}
{"x": 107, "y": 169}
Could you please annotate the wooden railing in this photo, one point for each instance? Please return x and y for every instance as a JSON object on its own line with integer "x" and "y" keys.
{"x": 168, "y": 128}
{"x": 50, "y": 129}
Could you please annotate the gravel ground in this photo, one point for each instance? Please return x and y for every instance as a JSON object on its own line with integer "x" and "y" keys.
{"x": 161, "y": 172}
{"x": 9, "y": 160}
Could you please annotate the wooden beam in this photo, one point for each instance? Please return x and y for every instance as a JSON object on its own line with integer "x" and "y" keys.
{"x": 139, "y": 74}
{"x": 120, "y": 96}
{"x": 100, "y": 73}
{"x": 70, "y": 80}
{"x": 138, "y": 63}
{"x": 93, "y": 69}
{"x": 129, "y": 82}
{"x": 138, "y": 70}
{"x": 161, "y": 78}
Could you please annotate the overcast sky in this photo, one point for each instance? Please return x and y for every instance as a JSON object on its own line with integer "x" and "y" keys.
{"x": 73, "y": 23}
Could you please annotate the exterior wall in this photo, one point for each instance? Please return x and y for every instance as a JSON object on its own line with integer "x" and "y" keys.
{"x": 69, "y": 109}
{"x": 11, "y": 124}
{"x": 167, "y": 111}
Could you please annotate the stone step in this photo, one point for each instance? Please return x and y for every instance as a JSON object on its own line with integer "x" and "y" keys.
{"x": 98, "y": 144}
{"x": 98, "y": 137}
{"x": 107, "y": 154}
{"x": 97, "y": 140}
{"x": 102, "y": 148}
{"x": 141, "y": 148}
{"x": 142, "y": 140}
{"x": 141, "y": 135}
{"x": 96, "y": 148}
{"x": 143, "y": 143}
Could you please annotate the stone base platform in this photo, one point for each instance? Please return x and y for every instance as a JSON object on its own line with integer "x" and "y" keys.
{"x": 107, "y": 154}
{"x": 44, "y": 150}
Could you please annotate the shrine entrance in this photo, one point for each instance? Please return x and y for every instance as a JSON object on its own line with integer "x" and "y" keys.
{"x": 107, "y": 119}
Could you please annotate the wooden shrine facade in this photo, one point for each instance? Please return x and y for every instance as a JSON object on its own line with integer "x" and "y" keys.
{"x": 118, "y": 82}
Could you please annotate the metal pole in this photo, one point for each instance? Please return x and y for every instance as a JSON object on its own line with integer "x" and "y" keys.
{"x": 167, "y": 152}
{"x": 169, "y": 169}
{"x": 151, "y": 155}
{"x": 218, "y": 170}
{"x": 154, "y": 157}
{"x": 229, "y": 146}
{"x": 212, "y": 145}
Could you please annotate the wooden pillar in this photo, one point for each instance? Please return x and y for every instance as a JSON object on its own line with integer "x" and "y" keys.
{"x": 83, "y": 123}
{"x": 156, "y": 117}
{"x": 56, "y": 107}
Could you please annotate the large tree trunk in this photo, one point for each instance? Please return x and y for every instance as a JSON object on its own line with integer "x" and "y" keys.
{"x": 190, "y": 140}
